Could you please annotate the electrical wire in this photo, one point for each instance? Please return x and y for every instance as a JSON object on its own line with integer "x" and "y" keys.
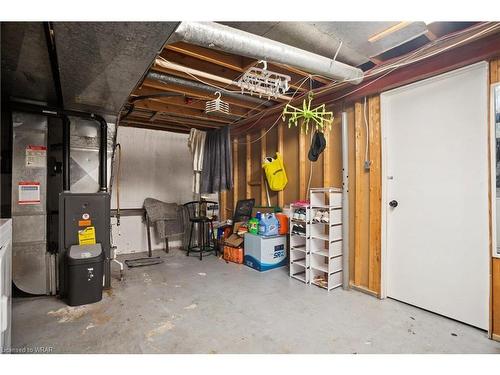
{"x": 407, "y": 60}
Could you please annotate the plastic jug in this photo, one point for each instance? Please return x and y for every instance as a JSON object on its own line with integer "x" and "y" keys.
{"x": 253, "y": 225}
{"x": 283, "y": 220}
{"x": 268, "y": 225}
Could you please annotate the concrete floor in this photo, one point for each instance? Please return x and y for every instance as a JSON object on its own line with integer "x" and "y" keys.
{"x": 188, "y": 306}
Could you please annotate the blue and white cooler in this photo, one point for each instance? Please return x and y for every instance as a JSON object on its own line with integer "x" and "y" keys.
{"x": 265, "y": 253}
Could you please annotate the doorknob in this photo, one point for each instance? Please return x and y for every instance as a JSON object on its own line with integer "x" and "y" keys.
{"x": 393, "y": 203}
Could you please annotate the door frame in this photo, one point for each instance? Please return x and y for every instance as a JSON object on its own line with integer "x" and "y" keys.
{"x": 384, "y": 199}
{"x": 493, "y": 176}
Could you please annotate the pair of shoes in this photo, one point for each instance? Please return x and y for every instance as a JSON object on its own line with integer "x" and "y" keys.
{"x": 300, "y": 214}
{"x": 299, "y": 229}
{"x": 322, "y": 216}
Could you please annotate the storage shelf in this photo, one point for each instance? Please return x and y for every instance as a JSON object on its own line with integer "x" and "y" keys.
{"x": 323, "y": 253}
{"x": 321, "y": 268}
{"x": 319, "y": 237}
{"x": 318, "y": 284}
{"x": 300, "y": 276}
{"x": 299, "y": 248}
{"x": 301, "y": 262}
{"x": 321, "y": 245}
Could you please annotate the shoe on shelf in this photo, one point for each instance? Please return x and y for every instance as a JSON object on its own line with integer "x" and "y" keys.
{"x": 302, "y": 214}
{"x": 296, "y": 214}
{"x": 318, "y": 216}
{"x": 325, "y": 217}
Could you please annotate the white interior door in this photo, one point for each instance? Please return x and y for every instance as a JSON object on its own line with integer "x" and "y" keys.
{"x": 435, "y": 165}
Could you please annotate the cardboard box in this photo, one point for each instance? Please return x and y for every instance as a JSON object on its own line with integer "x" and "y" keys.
{"x": 265, "y": 253}
{"x": 234, "y": 240}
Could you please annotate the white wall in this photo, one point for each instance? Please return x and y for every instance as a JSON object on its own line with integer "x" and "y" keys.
{"x": 154, "y": 164}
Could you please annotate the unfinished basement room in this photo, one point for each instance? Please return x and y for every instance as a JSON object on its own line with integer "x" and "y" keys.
{"x": 250, "y": 187}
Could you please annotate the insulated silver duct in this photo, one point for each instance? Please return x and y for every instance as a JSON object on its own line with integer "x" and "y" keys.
{"x": 224, "y": 38}
{"x": 166, "y": 78}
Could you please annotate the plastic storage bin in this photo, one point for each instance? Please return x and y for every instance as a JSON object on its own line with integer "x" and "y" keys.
{"x": 84, "y": 274}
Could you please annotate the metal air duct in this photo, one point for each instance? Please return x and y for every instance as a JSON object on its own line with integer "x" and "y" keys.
{"x": 166, "y": 78}
{"x": 224, "y": 38}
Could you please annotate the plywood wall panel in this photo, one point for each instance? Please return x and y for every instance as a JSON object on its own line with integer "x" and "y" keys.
{"x": 291, "y": 161}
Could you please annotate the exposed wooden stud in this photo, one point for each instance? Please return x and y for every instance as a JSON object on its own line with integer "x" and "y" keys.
{"x": 359, "y": 198}
{"x": 223, "y": 205}
{"x": 281, "y": 193}
{"x": 248, "y": 168}
{"x": 263, "y": 154}
{"x": 495, "y": 71}
{"x": 235, "y": 173}
{"x": 375, "y": 211}
{"x": 302, "y": 166}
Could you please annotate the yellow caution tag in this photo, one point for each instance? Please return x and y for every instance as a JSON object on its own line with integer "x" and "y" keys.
{"x": 86, "y": 236}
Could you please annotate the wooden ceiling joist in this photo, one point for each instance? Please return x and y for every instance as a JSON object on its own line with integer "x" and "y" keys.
{"x": 196, "y": 93}
{"x": 156, "y": 106}
{"x": 146, "y": 115}
{"x": 136, "y": 123}
{"x": 186, "y": 102}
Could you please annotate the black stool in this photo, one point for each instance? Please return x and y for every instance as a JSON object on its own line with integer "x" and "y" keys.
{"x": 198, "y": 215}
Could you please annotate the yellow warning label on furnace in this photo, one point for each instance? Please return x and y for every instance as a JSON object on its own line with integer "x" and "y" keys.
{"x": 86, "y": 236}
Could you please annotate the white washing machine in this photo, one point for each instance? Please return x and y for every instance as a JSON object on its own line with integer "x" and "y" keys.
{"x": 5, "y": 283}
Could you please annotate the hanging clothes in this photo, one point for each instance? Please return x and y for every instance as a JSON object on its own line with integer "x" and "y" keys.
{"x": 196, "y": 144}
{"x": 217, "y": 172}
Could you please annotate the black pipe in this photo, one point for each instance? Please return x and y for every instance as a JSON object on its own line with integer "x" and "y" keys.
{"x": 103, "y": 150}
{"x": 66, "y": 153}
{"x": 62, "y": 113}
{"x": 54, "y": 64}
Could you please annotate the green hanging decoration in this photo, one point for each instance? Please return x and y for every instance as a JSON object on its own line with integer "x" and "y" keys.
{"x": 322, "y": 120}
